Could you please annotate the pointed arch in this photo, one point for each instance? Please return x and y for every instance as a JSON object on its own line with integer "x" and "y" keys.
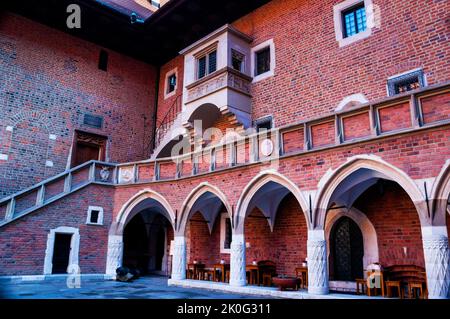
{"x": 143, "y": 198}
{"x": 259, "y": 181}
{"x": 440, "y": 193}
{"x": 191, "y": 200}
{"x": 369, "y": 163}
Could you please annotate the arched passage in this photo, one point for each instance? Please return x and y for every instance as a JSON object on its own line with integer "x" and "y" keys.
{"x": 389, "y": 200}
{"x": 206, "y": 225}
{"x": 274, "y": 224}
{"x": 141, "y": 235}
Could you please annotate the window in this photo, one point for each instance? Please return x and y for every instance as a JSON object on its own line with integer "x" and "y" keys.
{"x": 406, "y": 82}
{"x": 171, "y": 83}
{"x": 207, "y": 64}
{"x": 264, "y": 124}
{"x": 103, "y": 60}
{"x": 354, "y": 20}
{"x": 237, "y": 60}
{"x": 262, "y": 61}
{"x": 95, "y": 215}
{"x": 226, "y": 234}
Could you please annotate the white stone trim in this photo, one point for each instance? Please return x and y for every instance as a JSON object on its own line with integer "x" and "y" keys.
{"x": 100, "y": 215}
{"x": 3, "y": 157}
{"x": 9, "y": 128}
{"x": 49, "y": 163}
{"x": 52, "y": 137}
{"x": 166, "y": 86}
{"x": 339, "y": 27}
{"x": 223, "y": 218}
{"x": 359, "y": 97}
{"x": 74, "y": 247}
{"x": 269, "y": 43}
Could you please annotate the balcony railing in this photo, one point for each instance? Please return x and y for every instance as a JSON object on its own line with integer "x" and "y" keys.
{"x": 421, "y": 109}
{"x": 167, "y": 121}
{"x": 223, "y": 78}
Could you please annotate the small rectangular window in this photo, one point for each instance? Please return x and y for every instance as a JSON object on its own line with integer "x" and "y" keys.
{"x": 93, "y": 120}
{"x": 262, "y": 61}
{"x": 94, "y": 216}
{"x": 264, "y": 124}
{"x": 171, "y": 83}
{"x": 407, "y": 82}
{"x": 354, "y": 20}
{"x": 103, "y": 60}
{"x": 237, "y": 60}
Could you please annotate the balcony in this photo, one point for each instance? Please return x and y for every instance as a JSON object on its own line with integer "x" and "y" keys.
{"x": 217, "y": 83}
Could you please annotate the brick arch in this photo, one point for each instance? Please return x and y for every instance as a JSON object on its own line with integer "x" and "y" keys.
{"x": 128, "y": 210}
{"x": 333, "y": 179}
{"x": 440, "y": 195}
{"x": 193, "y": 197}
{"x": 256, "y": 184}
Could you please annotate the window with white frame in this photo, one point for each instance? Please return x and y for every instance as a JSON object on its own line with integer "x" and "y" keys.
{"x": 206, "y": 62}
{"x": 263, "y": 60}
{"x": 170, "y": 86}
{"x": 94, "y": 215}
{"x": 225, "y": 233}
{"x": 353, "y": 20}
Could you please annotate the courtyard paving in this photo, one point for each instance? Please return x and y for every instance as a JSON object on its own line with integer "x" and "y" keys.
{"x": 142, "y": 288}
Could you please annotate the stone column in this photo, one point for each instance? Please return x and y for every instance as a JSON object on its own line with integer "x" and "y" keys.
{"x": 436, "y": 254}
{"x": 317, "y": 263}
{"x": 237, "y": 261}
{"x": 179, "y": 258}
{"x": 115, "y": 254}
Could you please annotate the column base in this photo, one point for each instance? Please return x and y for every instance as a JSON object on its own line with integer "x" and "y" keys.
{"x": 318, "y": 290}
{"x": 238, "y": 283}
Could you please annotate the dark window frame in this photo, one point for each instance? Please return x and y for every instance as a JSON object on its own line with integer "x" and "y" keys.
{"x": 207, "y": 68}
{"x": 171, "y": 88}
{"x": 396, "y": 82}
{"x": 257, "y": 53}
{"x": 103, "y": 60}
{"x": 353, "y": 9}
{"x": 262, "y": 123}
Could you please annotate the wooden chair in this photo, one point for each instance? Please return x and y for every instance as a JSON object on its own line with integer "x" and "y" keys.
{"x": 361, "y": 283}
{"x": 268, "y": 270}
{"x": 302, "y": 274}
{"x": 377, "y": 278}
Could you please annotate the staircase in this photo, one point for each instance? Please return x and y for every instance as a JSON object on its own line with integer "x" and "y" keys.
{"x": 50, "y": 190}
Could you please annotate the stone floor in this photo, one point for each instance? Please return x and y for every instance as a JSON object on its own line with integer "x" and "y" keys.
{"x": 142, "y": 288}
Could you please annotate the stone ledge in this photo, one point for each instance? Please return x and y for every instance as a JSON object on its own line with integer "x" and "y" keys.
{"x": 259, "y": 291}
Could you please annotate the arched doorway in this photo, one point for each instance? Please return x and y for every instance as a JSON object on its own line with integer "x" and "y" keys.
{"x": 146, "y": 237}
{"x": 347, "y": 250}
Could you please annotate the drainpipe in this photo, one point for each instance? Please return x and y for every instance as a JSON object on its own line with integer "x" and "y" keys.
{"x": 155, "y": 114}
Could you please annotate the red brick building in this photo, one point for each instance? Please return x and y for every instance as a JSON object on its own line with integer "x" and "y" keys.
{"x": 309, "y": 135}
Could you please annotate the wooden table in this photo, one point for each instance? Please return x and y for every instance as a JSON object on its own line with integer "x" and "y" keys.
{"x": 195, "y": 269}
{"x": 252, "y": 269}
{"x": 302, "y": 273}
{"x": 222, "y": 268}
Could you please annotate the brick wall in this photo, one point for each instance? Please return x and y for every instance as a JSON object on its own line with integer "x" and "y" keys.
{"x": 286, "y": 245}
{"x": 23, "y": 243}
{"x": 313, "y": 74}
{"x": 396, "y": 223}
{"x": 49, "y": 81}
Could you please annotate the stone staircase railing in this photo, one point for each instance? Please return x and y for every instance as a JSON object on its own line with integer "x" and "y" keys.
{"x": 416, "y": 110}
